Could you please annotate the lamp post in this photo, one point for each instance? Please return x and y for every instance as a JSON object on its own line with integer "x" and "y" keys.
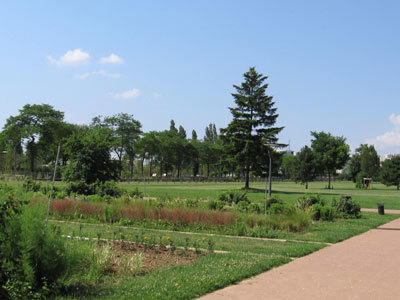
{"x": 270, "y": 146}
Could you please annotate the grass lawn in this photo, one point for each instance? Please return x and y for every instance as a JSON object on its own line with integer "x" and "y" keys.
{"x": 287, "y": 191}
{"x": 246, "y": 257}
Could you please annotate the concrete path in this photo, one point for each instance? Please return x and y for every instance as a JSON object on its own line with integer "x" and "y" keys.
{"x": 363, "y": 267}
{"x": 387, "y": 211}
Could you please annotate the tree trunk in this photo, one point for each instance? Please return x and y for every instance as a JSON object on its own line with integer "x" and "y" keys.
{"x": 131, "y": 166}
{"x": 208, "y": 170}
{"x": 142, "y": 166}
{"x": 329, "y": 180}
{"x": 15, "y": 159}
{"x": 397, "y": 186}
{"x": 150, "y": 170}
{"x": 306, "y": 185}
{"x": 247, "y": 175}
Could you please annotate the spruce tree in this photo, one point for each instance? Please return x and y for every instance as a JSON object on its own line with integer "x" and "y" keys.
{"x": 252, "y": 127}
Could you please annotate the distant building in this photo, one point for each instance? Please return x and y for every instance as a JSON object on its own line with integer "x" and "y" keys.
{"x": 389, "y": 156}
{"x": 286, "y": 152}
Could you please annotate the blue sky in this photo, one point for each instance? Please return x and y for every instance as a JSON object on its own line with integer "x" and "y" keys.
{"x": 332, "y": 65}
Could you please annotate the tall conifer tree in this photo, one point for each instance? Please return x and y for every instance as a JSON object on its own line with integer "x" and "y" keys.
{"x": 253, "y": 123}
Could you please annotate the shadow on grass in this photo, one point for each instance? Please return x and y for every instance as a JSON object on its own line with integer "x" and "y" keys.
{"x": 84, "y": 291}
{"x": 257, "y": 190}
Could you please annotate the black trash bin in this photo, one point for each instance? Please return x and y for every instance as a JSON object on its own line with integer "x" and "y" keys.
{"x": 381, "y": 208}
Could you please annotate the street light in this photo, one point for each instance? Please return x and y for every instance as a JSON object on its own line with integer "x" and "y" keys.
{"x": 269, "y": 146}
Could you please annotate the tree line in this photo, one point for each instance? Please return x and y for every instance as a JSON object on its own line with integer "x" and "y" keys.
{"x": 115, "y": 147}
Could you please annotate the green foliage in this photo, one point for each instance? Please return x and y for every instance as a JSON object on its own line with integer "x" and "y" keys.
{"x": 308, "y": 200}
{"x": 290, "y": 218}
{"x": 327, "y": 213}
{"x": 254, "y": 208}
{"x": 390, "y": 172}
{"x": 305, "y": 168}
{"x": 125, "y": 132}
{"x": 324, "y": 213}
{"x": 272, "y": 200}
{"x": 347, "y": 207}
{"x": 288, "y": 166}
{"x": 216, "y": 204}
{"x": 135, "y": 193}
{"x": 279, "y": 208}
{"x": 31, "y": 186}
{"x": 42, "y": 128}
{"x": 32, "y": 256}
{"x": 89, "y": 156}
{"x": 242, "y": 206}
{"x": 331, "y": 152}
{"x": 252, "y": 125}
{"x": 107, "y": 188}
{"x": 233, "y": 197}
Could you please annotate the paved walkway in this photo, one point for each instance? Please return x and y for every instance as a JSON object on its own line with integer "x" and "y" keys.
{"x": 387, "y": 211}
{"x": 363, "y": 267}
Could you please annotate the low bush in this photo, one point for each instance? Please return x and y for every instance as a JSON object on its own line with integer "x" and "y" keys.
{"x": 108, "y": 188}
{"x": 134, "y": 193}
{"x": 233, "y": 197}
{"x": 293, "y": 220}
{"x": 279, "y": 208}
{"x": 31, "y": 186}
{"x": 347, "y": 207}
{"x": 309, "y": 200}
{"x": 273, "y": 200}
{"x": 242, "y": 206}
{"x": 328, "y": 213}
{"x": 254, "y": 208}
{"x": 34, "y": 258}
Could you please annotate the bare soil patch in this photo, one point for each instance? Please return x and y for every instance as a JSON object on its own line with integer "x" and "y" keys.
{"x": 154, "y": 257}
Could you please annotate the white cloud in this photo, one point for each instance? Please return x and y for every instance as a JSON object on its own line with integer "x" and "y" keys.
{"x": 111, "y": 59}
{"x": 75, "y": 57}
{"x": 133, "y": 93}
{"x": 98, "y": 73}
{"x": 389, "y": 141}
{"x": 106, "y": 74}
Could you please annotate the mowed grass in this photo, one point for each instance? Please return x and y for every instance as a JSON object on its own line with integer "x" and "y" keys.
{"x": 245, "y": 257}
{"x": 287, "y": 191}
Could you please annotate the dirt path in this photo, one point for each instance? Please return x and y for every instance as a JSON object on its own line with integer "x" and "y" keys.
{"x": 363, "y": 267}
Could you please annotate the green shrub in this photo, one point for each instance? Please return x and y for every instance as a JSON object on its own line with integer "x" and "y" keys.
{"x": 134, "y": 193}
{"x": 316, "y": 211}
{"x": 220, "y": 204}
{"x": 327, "y": 213}
{"x": 80, "y": 187}
{"x": 242, "y": 206}
{"x": 95, "y": 198}
{"x": 273, "y": 200}
{"x": 34, "y": 258}
{"x": 254, "y": 208}
{"x": 347, "y": 207}
{"x": 309, "y": 200}
{"x": 213, "y": 205}
{"x": 279, "y": 208}
{"x": 293, "y": 220}
{"x": 233, "y": 197}
{"x": 108, "y": 188}
{"x": 31, "y": 186}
